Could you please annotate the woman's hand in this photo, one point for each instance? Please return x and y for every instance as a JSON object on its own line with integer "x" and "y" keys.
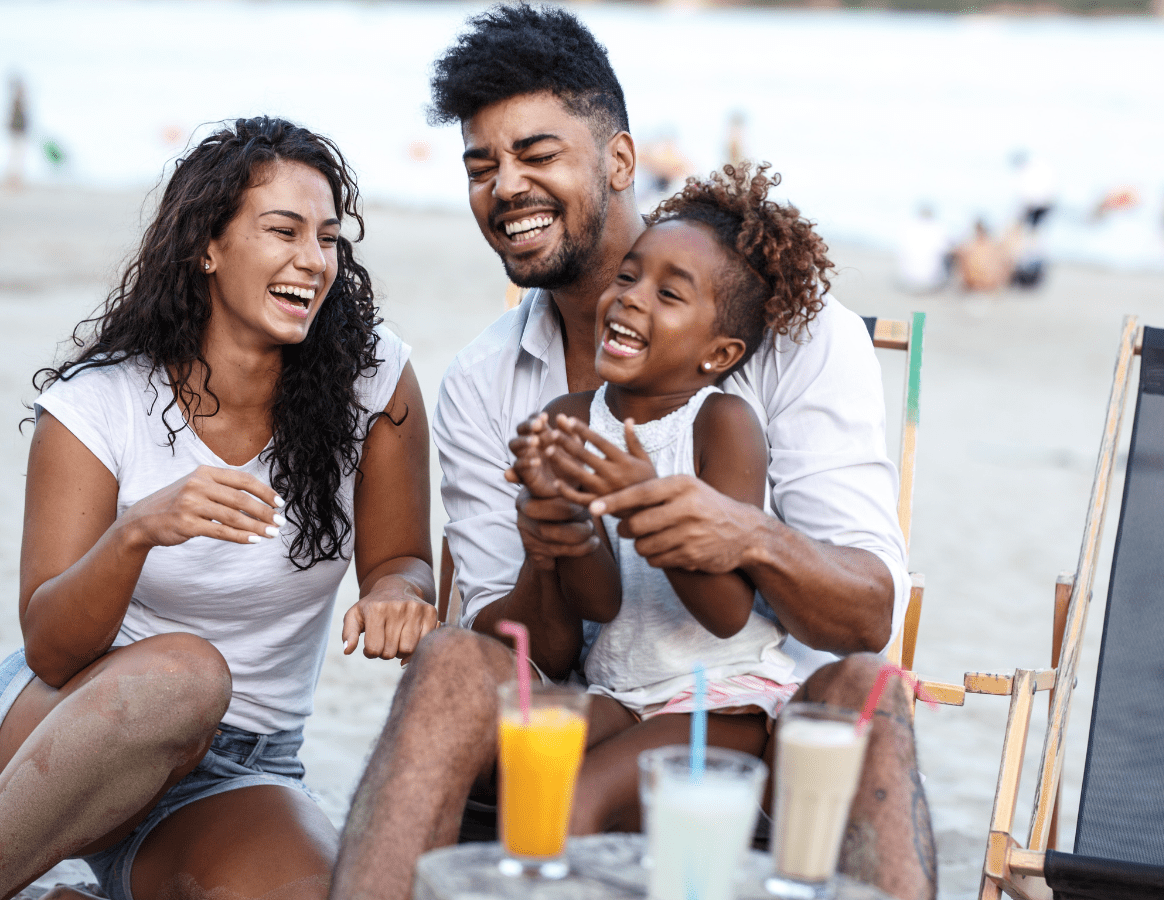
{"x": 393, "y": 616}
{"x": 596, "y": 476}
{"x": 223, "y": 504}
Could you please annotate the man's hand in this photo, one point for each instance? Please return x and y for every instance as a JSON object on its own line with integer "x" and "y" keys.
{"x": 553, "y": 527}
{"x": 595, "y": 475}
{"x": 392, "y": 616}
{"x": 680, "y": 522}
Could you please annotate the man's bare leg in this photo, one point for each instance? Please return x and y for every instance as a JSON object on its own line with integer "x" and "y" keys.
{"x": 441, "y": 735}
{"x": 888, "y": 841}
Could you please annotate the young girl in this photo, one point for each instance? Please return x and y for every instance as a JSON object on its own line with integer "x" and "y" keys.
{"x": 718, "y": 270}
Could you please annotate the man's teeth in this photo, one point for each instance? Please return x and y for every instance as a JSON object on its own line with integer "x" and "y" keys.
{"x": 534, "y": 222}
{"x": 304, "y": 294}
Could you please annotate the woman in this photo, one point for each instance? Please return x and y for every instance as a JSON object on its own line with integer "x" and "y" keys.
{"x": 201, "y": 471}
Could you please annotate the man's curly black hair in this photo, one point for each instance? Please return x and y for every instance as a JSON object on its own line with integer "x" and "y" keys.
{"x": 159, "y": 313}
{"x": 518, "y": 49}
{"x": 782, "y": 276}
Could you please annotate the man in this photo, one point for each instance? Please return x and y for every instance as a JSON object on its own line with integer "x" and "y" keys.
{"x": 550, "y": 165}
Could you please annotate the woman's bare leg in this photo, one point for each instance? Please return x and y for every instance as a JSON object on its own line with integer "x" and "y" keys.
{"x": 607, "y": 798}
{"x": 83, "y": 765}
{"x": 266, "y": 841}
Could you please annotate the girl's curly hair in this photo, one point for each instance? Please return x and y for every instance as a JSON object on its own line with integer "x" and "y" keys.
{"x": 160, "y": 311}
{"x": 783, "y": 276}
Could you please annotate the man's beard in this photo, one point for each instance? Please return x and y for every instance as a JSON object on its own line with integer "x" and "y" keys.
{"x": 572, "y": 258}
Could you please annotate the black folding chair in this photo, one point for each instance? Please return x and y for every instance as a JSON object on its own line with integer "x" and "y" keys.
{"x": 1119, "y": 842}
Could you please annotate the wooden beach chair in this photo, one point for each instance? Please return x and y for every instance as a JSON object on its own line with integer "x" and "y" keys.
{"x": 895, "y": 334}
{"x": 1119, "y": 843}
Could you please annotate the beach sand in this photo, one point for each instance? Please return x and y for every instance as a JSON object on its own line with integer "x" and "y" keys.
{"x": 1014, "y": 390}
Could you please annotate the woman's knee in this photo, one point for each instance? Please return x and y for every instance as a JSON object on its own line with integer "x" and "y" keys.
{"x": 177, "y": 685}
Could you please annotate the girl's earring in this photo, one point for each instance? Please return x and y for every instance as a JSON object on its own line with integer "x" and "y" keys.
{"x": 707, "y": 367}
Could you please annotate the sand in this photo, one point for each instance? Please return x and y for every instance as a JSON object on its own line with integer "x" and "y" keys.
{"x": 1014, "y": 390}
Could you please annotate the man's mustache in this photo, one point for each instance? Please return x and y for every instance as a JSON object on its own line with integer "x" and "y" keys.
{"x": 503, "y": 208}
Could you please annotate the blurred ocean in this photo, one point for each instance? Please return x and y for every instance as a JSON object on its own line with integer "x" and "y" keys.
{"x": 867, "y": 115}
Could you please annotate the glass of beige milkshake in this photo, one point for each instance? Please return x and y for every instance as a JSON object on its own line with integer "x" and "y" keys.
{"x": 819, "y": 756}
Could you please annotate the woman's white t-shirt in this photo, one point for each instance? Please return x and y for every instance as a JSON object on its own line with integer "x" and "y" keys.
{"x": 268, "y": 619}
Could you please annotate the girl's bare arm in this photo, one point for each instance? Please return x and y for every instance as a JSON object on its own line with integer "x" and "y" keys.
{"x": 730, "y": 456}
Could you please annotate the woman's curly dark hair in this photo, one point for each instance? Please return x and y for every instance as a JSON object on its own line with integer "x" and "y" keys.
{"x": 779, "y": 287}
{"x": 160, "y": 311}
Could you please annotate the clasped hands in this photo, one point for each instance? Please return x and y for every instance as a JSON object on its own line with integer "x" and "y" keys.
{"x": 561, "y": 477}
{"x": 676, "y": 521}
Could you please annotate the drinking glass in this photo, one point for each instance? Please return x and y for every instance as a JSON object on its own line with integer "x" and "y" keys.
{"x": 538, "y": 762}
{"x": 819, "y": 757}
{"x": 698, "y": 826}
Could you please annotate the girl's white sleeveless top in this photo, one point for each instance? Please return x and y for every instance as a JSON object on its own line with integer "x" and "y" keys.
{"x": 646, "y": 655}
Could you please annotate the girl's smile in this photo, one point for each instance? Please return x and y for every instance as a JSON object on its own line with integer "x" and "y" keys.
{"x": 657, "y": 328}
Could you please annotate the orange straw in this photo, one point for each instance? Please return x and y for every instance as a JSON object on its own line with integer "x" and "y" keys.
{"x": 520, "y": 635}
{"x": 879, "y": 687}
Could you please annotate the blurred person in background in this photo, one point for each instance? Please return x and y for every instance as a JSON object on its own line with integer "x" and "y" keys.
{"x": 1035, "y": 183}
{"x": 17, "y": 133}
{"x": 925, "y": 254}
{"x": 984, "y": 263}
{"x": 736, "y": 145}
{"x": 231, "y": 430}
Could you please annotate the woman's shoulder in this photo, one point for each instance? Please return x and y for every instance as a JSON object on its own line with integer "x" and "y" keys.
{"x": 376, "y": 386}
{"x": 98, "y": 380}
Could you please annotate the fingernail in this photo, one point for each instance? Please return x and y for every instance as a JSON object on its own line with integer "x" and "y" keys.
{"x": 280, "y": 502}
{"x": 271, "y": 530}
{"x": 598, "y": 507}
{"x": 280, "y": 520}
{"x": 254, "y": 538}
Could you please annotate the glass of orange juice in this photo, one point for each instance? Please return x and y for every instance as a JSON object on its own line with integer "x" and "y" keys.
{"x": 539, "y": 754}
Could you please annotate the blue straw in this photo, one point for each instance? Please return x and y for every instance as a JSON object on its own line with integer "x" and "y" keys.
{"x": 699, "y": 723}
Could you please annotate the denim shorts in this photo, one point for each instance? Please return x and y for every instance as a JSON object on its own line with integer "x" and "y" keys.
{"x": 236, "y": 759}
{"x": 14, "y": 678}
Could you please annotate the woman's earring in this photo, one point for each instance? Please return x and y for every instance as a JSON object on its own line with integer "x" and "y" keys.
{"x": 707, "y": 367}
{"x": 206, "y": 266}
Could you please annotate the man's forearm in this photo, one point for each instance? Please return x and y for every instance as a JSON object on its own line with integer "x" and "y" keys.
{"x": 831, "y": 598}
{"x": 536, "y": 602}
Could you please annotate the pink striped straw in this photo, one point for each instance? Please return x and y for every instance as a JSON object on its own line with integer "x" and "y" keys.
{"x": 520, "y": 635}
{"x": 883, "y": 676}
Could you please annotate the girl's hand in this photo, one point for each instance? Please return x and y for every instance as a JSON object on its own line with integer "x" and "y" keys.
{"x": 392, "y": 616}
{"x": 530, "y": 467}
{"x": 223, "y": 504}
{"x": 596, "y": 476}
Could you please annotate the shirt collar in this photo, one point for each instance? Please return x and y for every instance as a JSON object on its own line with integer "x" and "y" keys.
{"x": 542, "y": 326}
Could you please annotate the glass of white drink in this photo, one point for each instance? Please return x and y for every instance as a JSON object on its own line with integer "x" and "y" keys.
{"x": 819, "y": 756}
{"x": 699, "y": 826}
